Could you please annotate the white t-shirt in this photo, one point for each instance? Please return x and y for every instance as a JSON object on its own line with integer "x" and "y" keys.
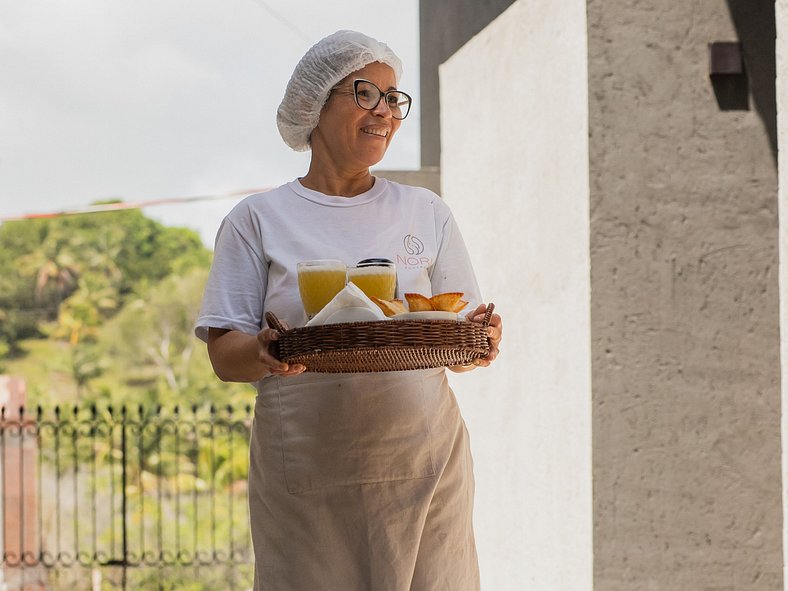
{"x": 263, "y": 238}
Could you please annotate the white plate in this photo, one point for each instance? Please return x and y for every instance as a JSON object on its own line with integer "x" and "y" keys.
{"x": 351, "y": 314}
{"x": 429, "y": 315}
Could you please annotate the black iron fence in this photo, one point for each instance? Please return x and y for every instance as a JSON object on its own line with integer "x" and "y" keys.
{"x": 124, "y": 498}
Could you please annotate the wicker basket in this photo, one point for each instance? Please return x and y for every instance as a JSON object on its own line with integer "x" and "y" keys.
{"x": 356, "y": 347}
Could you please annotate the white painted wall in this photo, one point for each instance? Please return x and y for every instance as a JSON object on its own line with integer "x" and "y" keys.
{"x": 514, "y": 169}
{"x": 781, "y": 17}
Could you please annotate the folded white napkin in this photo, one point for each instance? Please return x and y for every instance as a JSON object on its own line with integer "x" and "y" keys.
{"x": 349, "y": 305}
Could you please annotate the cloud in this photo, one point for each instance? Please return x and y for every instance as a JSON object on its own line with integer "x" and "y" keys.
{"x": 163, "y": 98}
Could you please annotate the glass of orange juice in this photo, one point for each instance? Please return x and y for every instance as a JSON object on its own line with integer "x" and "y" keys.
{"x": 319, "y": 281}
{"x": 375, "y": 277}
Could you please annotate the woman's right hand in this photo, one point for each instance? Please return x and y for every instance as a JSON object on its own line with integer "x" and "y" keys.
{"x": 275, "y": 366}
{"x": 241, "y": 357}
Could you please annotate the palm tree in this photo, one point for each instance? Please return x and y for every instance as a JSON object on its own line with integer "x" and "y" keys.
{"x": 85, "y": 310}
{"x": 54, "y": 263}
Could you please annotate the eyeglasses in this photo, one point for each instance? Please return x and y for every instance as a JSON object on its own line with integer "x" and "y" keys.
{"x": 368, "y": 96}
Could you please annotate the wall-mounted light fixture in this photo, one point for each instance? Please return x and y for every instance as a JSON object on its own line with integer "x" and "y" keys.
{"x": 725, "y": 58}
{"x": 729, "y": 76}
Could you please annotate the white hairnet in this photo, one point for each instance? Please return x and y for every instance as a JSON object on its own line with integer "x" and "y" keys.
{"x": 327, "y": 62}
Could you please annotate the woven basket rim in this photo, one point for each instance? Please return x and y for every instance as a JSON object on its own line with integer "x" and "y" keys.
{"x": 382, "y": 345}
{"x": 370, "y": 323}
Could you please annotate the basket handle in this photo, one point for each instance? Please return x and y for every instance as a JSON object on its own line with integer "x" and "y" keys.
{"x": 274, "y": 322}
{"x": 487, "y": 315}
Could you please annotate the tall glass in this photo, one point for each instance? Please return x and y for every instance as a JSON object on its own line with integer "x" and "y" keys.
{"x": 319, "y": 281}
{"x": 375, "y": 277}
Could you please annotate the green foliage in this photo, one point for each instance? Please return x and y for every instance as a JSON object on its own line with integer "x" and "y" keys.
{"x": 20, "y": 311}
{"x": 96, "y": 313}
{"x": 151, "y": 342}
{"x": 99, "y": 308}
{"x": 136, "y": 245}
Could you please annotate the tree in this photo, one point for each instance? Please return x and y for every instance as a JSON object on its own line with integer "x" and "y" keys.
{"x": 152, "y": 341}
{"x": 86, "y": 309}
{"x": 77, "y": 270}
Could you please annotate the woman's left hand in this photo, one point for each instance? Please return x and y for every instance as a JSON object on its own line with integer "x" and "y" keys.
{"x": 494, "y": 332}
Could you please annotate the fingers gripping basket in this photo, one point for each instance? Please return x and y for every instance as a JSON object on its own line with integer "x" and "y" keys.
{"x": 395, "y": 345}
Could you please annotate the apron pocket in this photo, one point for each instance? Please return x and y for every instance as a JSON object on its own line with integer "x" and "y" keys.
{"x": 354, "y": 429}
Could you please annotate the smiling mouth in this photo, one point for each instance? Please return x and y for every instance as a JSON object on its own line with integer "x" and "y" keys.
{"x": 384, "y": 133}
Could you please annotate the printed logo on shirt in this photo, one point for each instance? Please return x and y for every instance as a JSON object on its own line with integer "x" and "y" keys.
{"x": 413, "y": 248}
{"x": 413, "y": 245}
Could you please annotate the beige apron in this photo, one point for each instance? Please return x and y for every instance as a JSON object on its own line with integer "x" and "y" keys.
{"x": 361, "y": 482}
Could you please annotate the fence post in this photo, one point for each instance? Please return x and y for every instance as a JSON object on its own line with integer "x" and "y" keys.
{"x": 19, "y": 488}
{"x": 124, "y": 491}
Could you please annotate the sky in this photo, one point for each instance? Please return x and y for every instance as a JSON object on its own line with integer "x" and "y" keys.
{"x": 154, "y": 99}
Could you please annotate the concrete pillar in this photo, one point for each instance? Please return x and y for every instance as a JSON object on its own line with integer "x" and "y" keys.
{"x": 445, "y": 27}
{"x": 684, "y": 316}
{"x": 781, "y": 19}
{"x": 514, "y": 169}
{"x": 19, "y": 487}
{"x": 684, "y": 307}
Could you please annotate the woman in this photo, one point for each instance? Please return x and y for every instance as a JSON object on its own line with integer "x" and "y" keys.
{"x": 357, "y": 481}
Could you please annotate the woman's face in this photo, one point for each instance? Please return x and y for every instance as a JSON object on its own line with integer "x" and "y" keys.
{"x": 349, "y": 135}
